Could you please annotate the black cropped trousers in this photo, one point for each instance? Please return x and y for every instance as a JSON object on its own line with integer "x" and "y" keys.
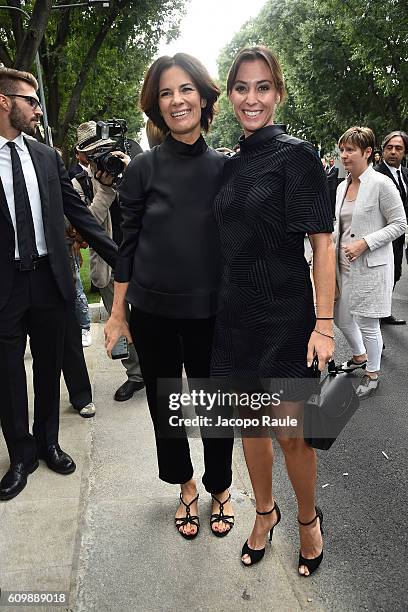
{"x": 164, "y": 345}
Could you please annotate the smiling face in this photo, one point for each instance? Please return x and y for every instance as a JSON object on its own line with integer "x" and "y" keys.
{"x": 394, "y": 152}
{"x": 254, "y": 96}
{"x": 23, "y": 117}
{"x": 180, "y": 104}
{"x": 354, "y": 159}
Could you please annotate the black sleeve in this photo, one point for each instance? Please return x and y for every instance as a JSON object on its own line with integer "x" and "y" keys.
{"x": 83, "y": 220}
{"x": 132, "y": 199}
{"x": 307, "y": 198}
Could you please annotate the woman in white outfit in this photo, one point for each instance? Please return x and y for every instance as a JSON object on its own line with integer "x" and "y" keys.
{"x": 370, "y": 215}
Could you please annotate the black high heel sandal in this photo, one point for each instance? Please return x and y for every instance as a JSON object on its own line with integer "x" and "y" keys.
{"x": 312, "y": 564}
{"x": 257, "y": 555}
{"x": 228, "y": 519}
{"x": 189, "y": 518}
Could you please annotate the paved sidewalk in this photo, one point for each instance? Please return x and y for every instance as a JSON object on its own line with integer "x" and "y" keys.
{"x": 106, "y": 533}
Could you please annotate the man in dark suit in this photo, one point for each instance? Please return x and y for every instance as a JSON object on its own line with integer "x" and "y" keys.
{"x": 37, "y": 285}
{"x": 332, "y": 180}
{"x": 395, "y": 148}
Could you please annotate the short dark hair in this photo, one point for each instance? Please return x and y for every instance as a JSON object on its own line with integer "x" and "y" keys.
{"x": 9, "y": 79}
{"x": 250, "y": 54}
{"x": 388, "y": 137}
{"x": 361, "y": 137}
{"x": 149, "y": 96}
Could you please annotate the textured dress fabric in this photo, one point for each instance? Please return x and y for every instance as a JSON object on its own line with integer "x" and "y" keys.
{"x": 274, "y": 192}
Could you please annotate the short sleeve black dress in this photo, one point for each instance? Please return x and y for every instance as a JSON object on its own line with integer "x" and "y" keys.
{"x": 274, "y": 192}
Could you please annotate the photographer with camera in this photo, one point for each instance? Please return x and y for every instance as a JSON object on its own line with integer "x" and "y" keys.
{"x": 107, "y": 156}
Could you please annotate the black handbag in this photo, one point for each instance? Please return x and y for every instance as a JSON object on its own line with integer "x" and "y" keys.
{"x": 329, "y": 410}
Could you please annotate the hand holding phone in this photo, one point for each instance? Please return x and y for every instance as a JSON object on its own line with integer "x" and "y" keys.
{"x": 121, "y": 349}
{"x": 117, "y": 330}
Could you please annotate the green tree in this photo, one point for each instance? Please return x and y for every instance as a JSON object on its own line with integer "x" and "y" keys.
{"x": 345, "y": 63}
{"x": 93, "y": 58}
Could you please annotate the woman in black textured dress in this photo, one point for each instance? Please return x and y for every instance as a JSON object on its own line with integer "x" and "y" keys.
{"x": 274, "y": 193}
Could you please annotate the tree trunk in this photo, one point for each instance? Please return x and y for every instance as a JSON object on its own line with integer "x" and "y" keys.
{"x": 17, "y": 22}
{"x": 33, "y": 35}
{"x": 83, "y": 73}
{"x": 51, "y": 66}
{"x": 5, "y": 57}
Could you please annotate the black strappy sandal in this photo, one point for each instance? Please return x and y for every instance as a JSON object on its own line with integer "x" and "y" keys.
{"x": 312, "y": 564}
{"x": 228, "y": 519}
{"x": 257, "y": 555}
{"x": 189, "y": 518}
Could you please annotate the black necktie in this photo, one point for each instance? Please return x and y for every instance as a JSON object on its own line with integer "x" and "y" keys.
{"x": 24, "y": 219}
{"x": 401, "y": 186}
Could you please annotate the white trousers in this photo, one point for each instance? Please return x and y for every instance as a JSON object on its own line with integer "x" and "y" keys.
{"x": 362, "y": 333}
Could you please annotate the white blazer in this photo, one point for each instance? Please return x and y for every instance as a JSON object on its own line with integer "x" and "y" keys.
{"x": 379, "y": 218}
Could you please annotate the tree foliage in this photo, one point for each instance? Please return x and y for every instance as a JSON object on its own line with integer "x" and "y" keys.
{"x": 93, "y": 58}
{"x": 345, "y": 63}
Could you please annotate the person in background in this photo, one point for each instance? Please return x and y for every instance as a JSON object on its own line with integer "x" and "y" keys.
{"x": 377, "y": 158}
{"x": 74, "y": 367}
{"x": 103, "y": 201}
{"x": 395, "y": 149}
{"x": 81, "y": 164}
{"x": 332, "y": 174}
{"x": 226, "y": 151}
{"x": 155, "y": 136}
{"x": 370, "y": 215}
{"x": 75, "y": 243}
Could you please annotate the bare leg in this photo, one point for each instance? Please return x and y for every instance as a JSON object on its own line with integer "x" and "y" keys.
{"x": 259, "y": 458}
{"x": 360, "y": 358}
{"x": 188, "y": 492}
{"x": 301, "y": 464}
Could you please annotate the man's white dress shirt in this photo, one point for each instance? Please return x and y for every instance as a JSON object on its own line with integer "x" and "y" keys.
{"x": 30, "y": 176}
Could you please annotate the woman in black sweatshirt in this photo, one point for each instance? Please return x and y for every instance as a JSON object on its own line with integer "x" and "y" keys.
{"x": 169, "y": 268}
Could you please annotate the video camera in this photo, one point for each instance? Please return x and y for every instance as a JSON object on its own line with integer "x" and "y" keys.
{"x": 113, "y": 129}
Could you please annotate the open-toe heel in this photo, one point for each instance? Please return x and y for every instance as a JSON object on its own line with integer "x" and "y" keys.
{"x": 189, "y": 518}
{"x": 227, "y": 519}
{"x": 257, "y": 555}
{"x": 312, "y": 564}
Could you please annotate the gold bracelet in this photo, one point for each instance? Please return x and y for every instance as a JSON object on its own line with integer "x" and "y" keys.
{"x": 322, "y": 334}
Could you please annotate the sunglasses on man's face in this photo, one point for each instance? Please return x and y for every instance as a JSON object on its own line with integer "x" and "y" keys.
{"x": 33, "y": 102}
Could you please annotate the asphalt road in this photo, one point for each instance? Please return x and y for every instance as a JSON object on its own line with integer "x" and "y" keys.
{"x": 365, "y": 511}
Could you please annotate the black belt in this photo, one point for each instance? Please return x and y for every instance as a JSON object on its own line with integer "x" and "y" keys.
{"x": 35, "y": 263}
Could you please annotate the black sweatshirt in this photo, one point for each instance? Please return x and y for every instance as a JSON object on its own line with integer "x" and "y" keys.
{"x": 170, "y": 252}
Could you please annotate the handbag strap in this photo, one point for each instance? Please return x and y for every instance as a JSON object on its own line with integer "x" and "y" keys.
{"x": 331, "y": 366}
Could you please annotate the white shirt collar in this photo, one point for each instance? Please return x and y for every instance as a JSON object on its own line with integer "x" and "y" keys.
{"x": 19, "y": 140}
{"x": 392, "y": 168}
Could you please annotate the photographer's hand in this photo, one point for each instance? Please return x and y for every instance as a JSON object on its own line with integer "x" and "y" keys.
{"x": 123, "y": 156}
{"x": 107, "y": 179}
